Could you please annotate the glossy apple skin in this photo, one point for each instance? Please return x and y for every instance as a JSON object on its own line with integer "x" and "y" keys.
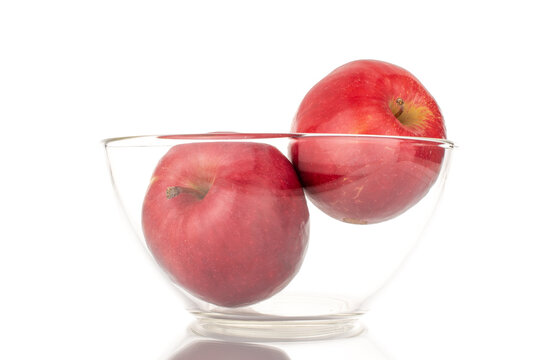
{"x": 355, "y": 98}
{"x": 245, "y": 238}
{"x": 367, "y": 180}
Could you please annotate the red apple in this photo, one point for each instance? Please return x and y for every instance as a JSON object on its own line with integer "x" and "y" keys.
{"x": 367, "y": 179}
{"x": 228, "y": 221}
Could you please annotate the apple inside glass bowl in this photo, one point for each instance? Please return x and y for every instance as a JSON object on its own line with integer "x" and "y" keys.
{"x": 278, "y": 236}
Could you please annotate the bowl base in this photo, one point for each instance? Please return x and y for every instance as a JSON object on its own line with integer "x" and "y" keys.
{"x": 279, "y": 329}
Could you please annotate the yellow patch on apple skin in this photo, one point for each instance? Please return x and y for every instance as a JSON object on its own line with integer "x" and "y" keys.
{"x": 355, "y": 221}
{"x": 153, "y": 179}
{"x": 415, "y": 116}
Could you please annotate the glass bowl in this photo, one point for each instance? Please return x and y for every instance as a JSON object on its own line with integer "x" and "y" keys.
{"x": 278, "y": 236}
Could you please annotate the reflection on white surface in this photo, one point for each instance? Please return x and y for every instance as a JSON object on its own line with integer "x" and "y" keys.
{"x": 211, "y": 349}
{"x": 194, "y": 347}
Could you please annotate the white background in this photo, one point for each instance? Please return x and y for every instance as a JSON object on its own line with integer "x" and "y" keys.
{"x": 76, "y": 283}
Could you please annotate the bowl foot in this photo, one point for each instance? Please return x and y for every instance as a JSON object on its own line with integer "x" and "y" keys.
{"x": 279, "y": 329}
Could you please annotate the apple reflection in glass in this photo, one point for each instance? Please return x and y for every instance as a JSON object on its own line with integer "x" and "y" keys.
{"x": 194, "y": 347}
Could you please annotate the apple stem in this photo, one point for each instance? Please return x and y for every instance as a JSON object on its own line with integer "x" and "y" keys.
{"x": 400, "y": 102}
{"x": 174, "y": 191}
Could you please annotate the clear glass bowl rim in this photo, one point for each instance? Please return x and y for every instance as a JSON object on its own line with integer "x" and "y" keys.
{"x": 128, "y": 141}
